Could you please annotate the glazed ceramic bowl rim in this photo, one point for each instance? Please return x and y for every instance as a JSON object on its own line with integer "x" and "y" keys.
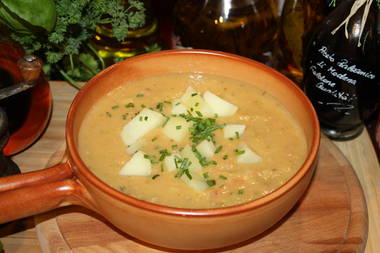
{"x": 223, "y": 211}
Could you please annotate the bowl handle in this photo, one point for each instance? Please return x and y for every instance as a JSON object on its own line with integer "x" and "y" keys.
{"x": 37, "y": 192}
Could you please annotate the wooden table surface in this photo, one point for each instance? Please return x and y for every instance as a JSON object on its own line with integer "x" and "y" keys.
{"x": 20, "y": 236}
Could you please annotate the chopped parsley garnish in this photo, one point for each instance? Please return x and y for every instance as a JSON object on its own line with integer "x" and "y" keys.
{"x": 160, "y": 107}
{"x": 225, "y": 157}
{"x": 109, "y": 114}
{"x": 223, "y": 177}
{"x": 175, "y": 146}
{"x": 202, "y": 159}
{"x": 205, "y": 175}
{"x": 211, "y": 182}
{"x": 178, "y": 103}
{"x": 199, "y": 113}
{"x": 178, "y": 127}
{"x": 164, "y": 153}
{"x": 124, "y": 116}
{"x": 196, "y": 104}
{"x": 167, "y": 102}
{"x": 239, "y": 152}
{"x": 155, "y": 176}
{"x": 182, "y": 166}
{"x": 142, "y": 106}
{"x": 218, "y": 149}
{"x": 202, "y": 129}
{"x": 154, "y": 139}
{"x": 152, "y": 159}
{"x": 194, "y": 94}
{"x": 139, "y": 95}
{"x": 115, "y": 107}
{"x": 237, "y": 135}
{"x": 166, "y": 121}
{"x": 146, "y": 118}
{"x": 129, "y": 105}
{"x": 141, "y": 118}
{"x": 241, "y": 191}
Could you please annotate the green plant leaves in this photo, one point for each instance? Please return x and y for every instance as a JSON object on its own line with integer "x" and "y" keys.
{"x": 25, "y": 16}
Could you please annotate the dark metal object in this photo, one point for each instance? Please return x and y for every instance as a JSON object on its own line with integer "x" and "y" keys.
{"x": 30, "y": 67}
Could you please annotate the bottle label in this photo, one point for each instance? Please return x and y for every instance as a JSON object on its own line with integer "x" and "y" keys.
{"x": 331, "y": 83}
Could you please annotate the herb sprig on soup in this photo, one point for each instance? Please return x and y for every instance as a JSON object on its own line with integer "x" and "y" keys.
{"x": 191, "y": 141}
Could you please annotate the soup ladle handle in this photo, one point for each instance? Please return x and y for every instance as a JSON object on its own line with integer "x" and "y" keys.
{"x": 36, "y": 192}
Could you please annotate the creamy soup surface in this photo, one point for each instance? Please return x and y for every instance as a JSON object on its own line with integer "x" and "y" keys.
{"x": 270, "y": 131}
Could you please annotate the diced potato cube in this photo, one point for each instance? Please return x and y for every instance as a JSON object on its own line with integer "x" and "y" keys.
{"x": 233, "y": 130}
{"x": 196, "y": 182}
{"x": 187, "y": 152}
{"x": 176, "y": 128}
{"x": 178, "y": 108}
{"x": 206, "y": 148}
{"x": 134, "y": 147}
{"x": 140, "y": 125}
{"x": 188, "y": 93}
{"x": 248, "y": 157}
{"x": 138, "y": 165}
{"x": 218, "y": 105}
{"x": 169, "y": 162}
{"x": 195, "y": 104}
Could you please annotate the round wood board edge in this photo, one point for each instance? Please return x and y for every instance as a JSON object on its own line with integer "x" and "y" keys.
{"x": 316, "y": 216}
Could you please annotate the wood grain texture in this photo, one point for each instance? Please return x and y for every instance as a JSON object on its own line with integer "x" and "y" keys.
{"x": 332, "y": 217}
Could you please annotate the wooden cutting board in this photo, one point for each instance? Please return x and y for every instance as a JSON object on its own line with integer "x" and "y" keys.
{"x": 331, "y": 217}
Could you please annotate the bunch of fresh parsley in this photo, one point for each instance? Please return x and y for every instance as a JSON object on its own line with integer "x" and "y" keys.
{"x": 60, "y": 35}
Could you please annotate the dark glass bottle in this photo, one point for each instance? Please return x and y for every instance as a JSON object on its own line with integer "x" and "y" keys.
{"x": 244, "y": 27}
{"x": 342, "y": 69}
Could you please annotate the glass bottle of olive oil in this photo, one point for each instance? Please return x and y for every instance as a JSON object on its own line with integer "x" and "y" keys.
{"x": 244, "y": 27}
{"x": 138, "y": 41}
{"x": 299, "y": 19}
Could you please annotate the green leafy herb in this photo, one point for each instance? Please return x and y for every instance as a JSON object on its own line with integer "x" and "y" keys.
{"x": 140, "y": 95}
{"x": 160, "y": 107}
{"x": 155, "y": 176}
{"x": 152, "y": 159}
{"x": 223, "y": 177}
{"x": 225, "y": 157}
{"x": 146, "y": 118}
{"x": 124, "y": 116}
{"x": 239, "y": 152}
{"x": 202, "y": 129}
{"x": 142, "y": 106}
{"x": 194, "y": 94}
{"x": 182, "y": 166}
{"x": 205, "y": 175}
{"x": 109, "y": 114}
{"x": 241, "y": 191}
{"x": 115, "y": 107}
{"x": 199, "y": 113}
{"x": 237, "y": 135}
{"x": 154, "y": 139}
{"x": 218, "y": 149}
{"x": 129, "y": 105}
{"x": 211, "y": 182}
{"x": 178, "y": 127}
{"x": 202, "y": 159}
{"x": 164, "y": 153}
{"x": 59, "y": 32}
{"x": 166, "y": 121}
{"x": 175, "y": 146}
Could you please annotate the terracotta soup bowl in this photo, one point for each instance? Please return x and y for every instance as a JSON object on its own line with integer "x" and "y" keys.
{"x": 190, "y": 229}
